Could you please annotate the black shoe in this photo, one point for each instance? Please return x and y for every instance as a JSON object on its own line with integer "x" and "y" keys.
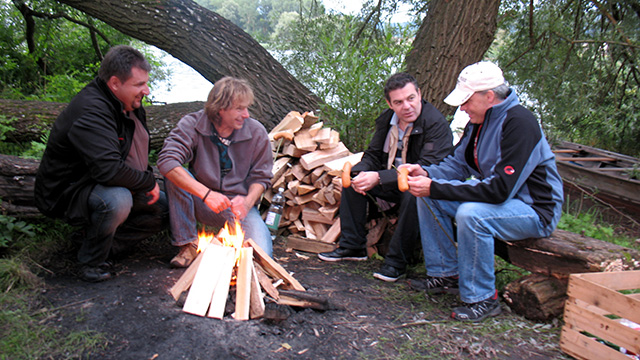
{"x": 478, "y": 311}
{"x": 95, "y": 273}
{"x": 340, "y": 254}
{"x": 388, "y": 273}
{"x": 436, "y": 285}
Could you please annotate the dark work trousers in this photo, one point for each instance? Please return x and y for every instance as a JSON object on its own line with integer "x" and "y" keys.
{"x": 119, "y": 220}
{"x": 353, "y": 218}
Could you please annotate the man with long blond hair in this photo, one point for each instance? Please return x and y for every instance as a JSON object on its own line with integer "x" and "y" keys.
{"x": 229, "y": 167}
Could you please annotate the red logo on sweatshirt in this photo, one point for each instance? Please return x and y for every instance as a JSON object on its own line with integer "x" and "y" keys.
{"x": 509, "y": 170}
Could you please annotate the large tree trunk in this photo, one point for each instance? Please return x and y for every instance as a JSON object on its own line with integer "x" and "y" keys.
{"x": 454, "y": 34}
{"x": 34, "y": 117}
{"x": 211, "y": 45}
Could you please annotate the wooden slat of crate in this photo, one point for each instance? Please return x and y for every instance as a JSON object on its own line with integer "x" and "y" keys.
{"x": 591, "y": 296}
{"x": 600, "y": 289}
{"x": 580, "y": 318}
{"x": 585, "y": 348}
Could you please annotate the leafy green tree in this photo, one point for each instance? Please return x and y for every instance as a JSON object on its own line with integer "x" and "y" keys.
{"x": 51, "y": 50}
{"x": 577, "y": 61}
{"x": 332, "y": 57}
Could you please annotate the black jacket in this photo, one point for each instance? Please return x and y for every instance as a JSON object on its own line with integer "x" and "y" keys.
{"x": 87, "y": 145}
{"x": 430, "y": 141}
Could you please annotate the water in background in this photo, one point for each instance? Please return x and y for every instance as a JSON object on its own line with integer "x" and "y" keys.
{"x": 184, "y": 84}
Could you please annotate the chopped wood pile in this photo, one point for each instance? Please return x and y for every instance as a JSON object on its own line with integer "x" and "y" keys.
{"x": 308, "y": 161}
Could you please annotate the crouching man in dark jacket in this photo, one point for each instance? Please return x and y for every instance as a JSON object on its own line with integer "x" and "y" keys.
{"x": 95, "y": 170}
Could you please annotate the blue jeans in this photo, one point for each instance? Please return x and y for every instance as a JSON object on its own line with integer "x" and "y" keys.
{"x": 119, "y": 219}
{"x": 185, "y": 210}
{"x": 477, "y": 225}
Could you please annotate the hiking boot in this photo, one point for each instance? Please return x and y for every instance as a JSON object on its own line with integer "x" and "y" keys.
{"x": 186, "y": 256}
{"x": 388, "y": 273}
{"x": 478, "y": 311}
{"x": 340, "y": 254}
{"x": 94, "y": 273}
{"x": 436, "y": 285}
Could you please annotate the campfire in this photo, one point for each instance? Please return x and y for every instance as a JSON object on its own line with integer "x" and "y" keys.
{"x": 227, "y": 260}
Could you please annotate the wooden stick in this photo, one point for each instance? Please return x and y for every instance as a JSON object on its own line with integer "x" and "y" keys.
{"x": 243, "y": 284}
{"x": 185, "y": 281}
{"x": 265, "y": 282}
{"x": 272, "y": 267}
{"x": 219, "y": 298}
{"x": 204, "y": 282}
{"x": 256, "y": 307}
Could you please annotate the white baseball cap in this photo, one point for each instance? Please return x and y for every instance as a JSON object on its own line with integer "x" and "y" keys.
{"x": 480, "y": 76}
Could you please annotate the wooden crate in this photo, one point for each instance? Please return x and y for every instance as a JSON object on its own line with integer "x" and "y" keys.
{"x": 591, "y": 298}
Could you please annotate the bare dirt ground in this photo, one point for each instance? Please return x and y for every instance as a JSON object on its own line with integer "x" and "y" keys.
{"x": 371, "y": 319}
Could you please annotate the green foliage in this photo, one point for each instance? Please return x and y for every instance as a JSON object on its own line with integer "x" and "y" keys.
{"x": 588, "y": 224}
{"x": 346, "y": 68}
{"x": 10, "y": 229}
{"x": 260, "y": 18}
{"x": 5, "y": 127}
{"x": 63, "y": 58}
{"x": 576, "y": 61}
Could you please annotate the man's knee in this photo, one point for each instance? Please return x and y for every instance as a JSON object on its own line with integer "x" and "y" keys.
{"x": 471, "y": 213}
{"x": 113, "y": 200}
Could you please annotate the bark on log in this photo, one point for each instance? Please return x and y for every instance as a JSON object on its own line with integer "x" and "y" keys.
{"x": 564, "y": 253}
{"x": 35, "y": 117}
{"x": 536, "y": 297}
{"x": 454, "y": 34}
{"x": 17, "y": 176}
{"x": 211, "y": 45}
{"x": 541, "y": 295}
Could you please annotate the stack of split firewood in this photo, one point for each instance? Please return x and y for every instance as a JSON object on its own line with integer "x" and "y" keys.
{"x": 308, "y": 162}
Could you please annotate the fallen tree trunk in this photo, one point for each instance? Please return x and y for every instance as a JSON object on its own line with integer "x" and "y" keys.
{"x": 17, "y": 176}
{"x": 33, "y": 118}
{"x": 541, "y": 295}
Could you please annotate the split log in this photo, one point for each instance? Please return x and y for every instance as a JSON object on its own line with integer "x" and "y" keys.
{"x": 304, "y": 299}
{"x": 243, "y": 284}
{"x": 273, "y": 268}
{"x": 185, "y": 281}
{"x": 306, "y": 245}
{"x": 204, "y": 284}
{"x": 256, "y": 308}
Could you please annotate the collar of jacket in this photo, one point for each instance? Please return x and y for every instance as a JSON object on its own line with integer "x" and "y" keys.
{"x": 417, "y": 125}
{"x": 499, "y": 110}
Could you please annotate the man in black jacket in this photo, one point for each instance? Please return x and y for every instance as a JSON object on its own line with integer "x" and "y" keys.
{"x": 411, "y": 131}
{"x": 95, "y": 170}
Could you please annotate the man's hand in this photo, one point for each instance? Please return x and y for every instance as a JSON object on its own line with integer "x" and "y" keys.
{"x": 365, "y": 181}
{"x": 153, "y": 194}
{"x": 420, "y": 186}
{"x": 240, "y": 207}
{"x": 414, "y": 169}
{"x": 217, "y": 202}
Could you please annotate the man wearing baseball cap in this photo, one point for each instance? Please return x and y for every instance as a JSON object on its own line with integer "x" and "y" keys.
{"x": 500, "y": 182}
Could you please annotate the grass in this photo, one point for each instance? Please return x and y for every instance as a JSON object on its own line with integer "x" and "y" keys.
{"x": 28, "y": 330}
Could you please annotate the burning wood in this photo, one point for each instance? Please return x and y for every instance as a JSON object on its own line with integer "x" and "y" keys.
{"x": 211, "y": 276}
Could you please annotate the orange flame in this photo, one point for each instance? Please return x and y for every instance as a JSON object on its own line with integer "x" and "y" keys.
{"x": 231, "y": 237}
{"x": 204, "y": 239}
